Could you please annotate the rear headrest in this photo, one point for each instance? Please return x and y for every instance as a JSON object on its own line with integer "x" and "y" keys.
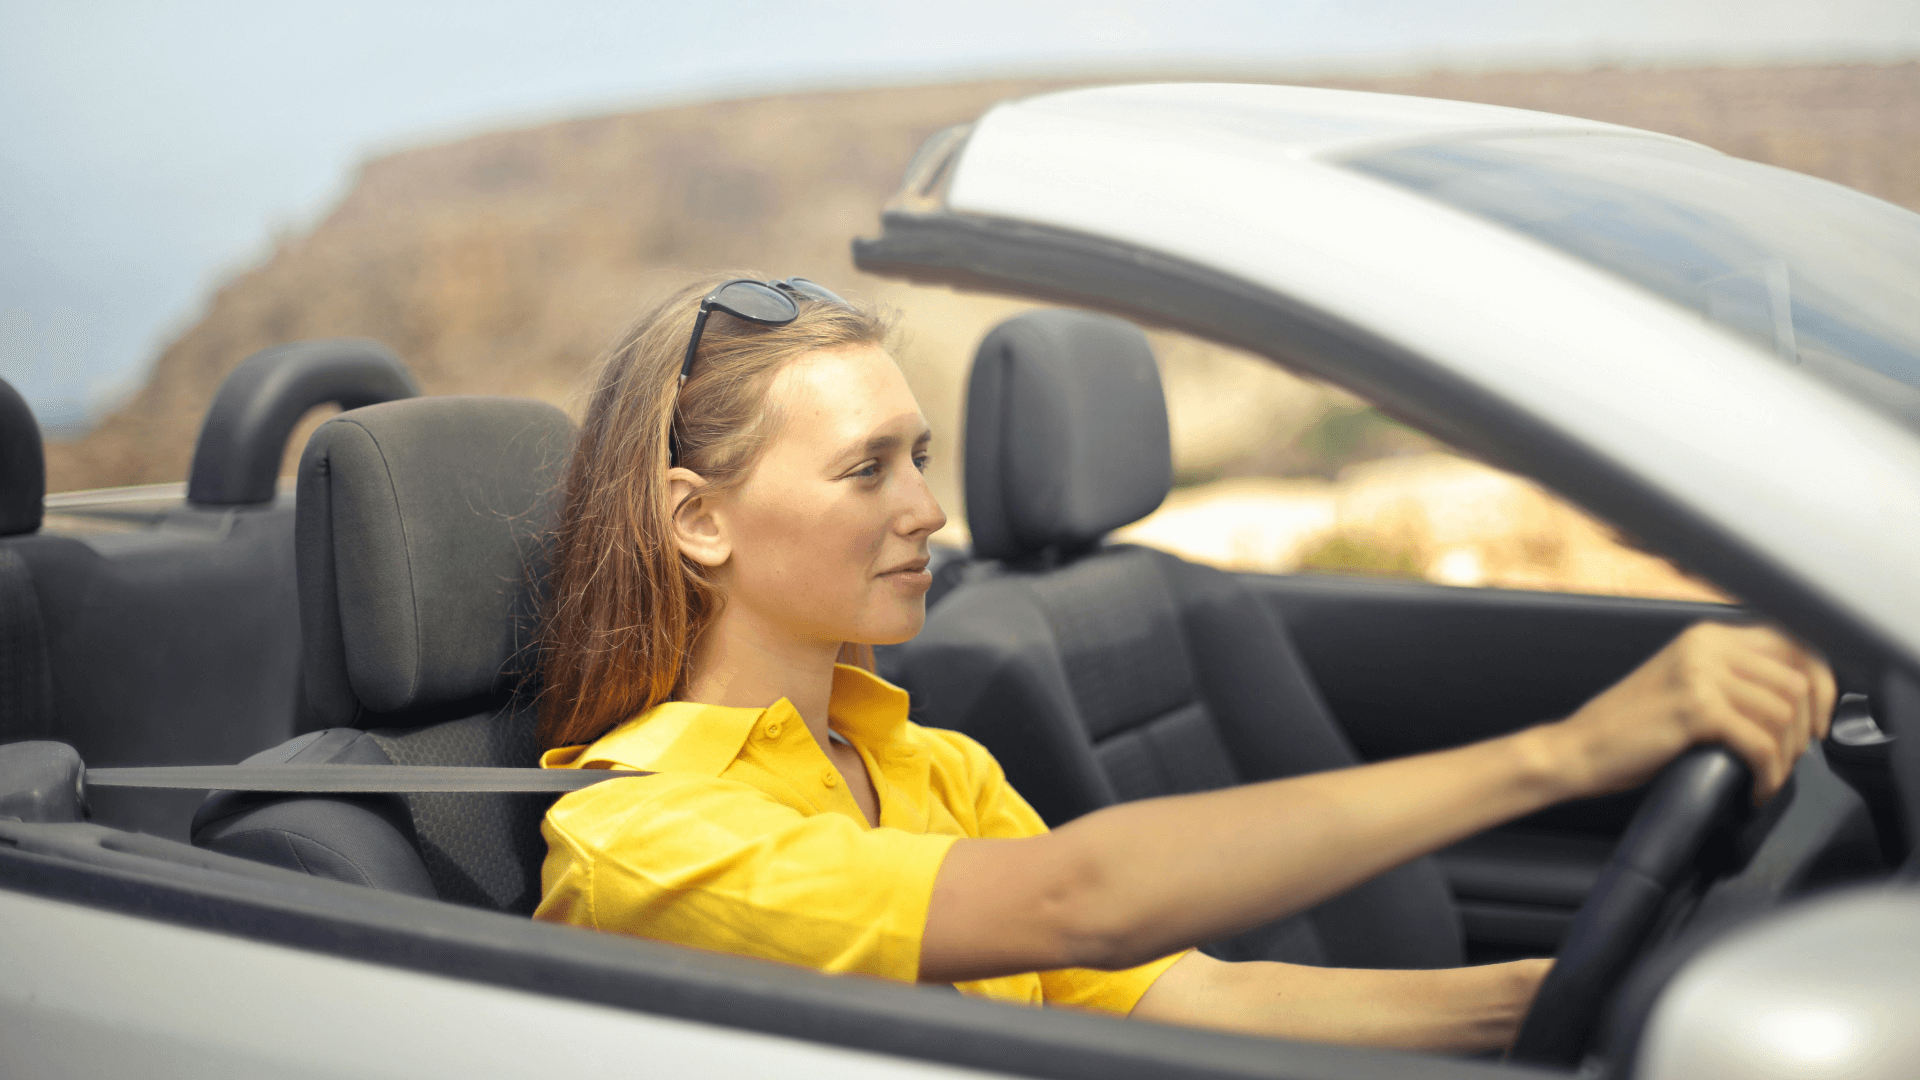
{"x": 415, "y": 525}
{"x": 1066, "y": 433}
{"x": 23, "y": 465}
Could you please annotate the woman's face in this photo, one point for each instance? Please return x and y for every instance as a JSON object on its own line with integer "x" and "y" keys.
{"x": 827, "y": 537}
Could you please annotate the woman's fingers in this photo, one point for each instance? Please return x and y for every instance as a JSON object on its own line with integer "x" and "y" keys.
{"x": 1778, "y": 695}
{"x": 1810, "y": 681}
{"x": 1748, "y": 687}
{"x": 1756, "y": 743}
{"x": 1774, "y": 688}
{"x": 1780, "y": 716}
{"x": 1825, "y": 693}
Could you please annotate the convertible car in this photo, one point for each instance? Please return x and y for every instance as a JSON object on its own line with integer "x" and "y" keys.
{"x": 1719, "y": 358}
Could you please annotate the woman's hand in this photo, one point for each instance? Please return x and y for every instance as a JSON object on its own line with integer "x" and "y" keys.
{"x": 1462, "y": 1010}
{"x": 1749, "y": 687}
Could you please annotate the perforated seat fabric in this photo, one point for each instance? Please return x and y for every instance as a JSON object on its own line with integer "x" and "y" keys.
{"x": 1100, "y": 674}
{"x": 417, "y": 545}
{"x": 479, "y": 849}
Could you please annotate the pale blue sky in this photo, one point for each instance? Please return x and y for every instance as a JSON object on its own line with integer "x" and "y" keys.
{"x": 148, "y": 150}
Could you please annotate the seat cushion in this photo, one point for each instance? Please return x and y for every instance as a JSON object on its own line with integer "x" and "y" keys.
{"x": 479, "y": 849}
{"x": 360, "y": 839}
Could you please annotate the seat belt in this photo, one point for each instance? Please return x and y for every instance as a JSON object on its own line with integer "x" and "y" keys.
{"x": 316, "y": 779}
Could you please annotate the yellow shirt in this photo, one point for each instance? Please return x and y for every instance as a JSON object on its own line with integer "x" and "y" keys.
{"x": 747, "y": 841}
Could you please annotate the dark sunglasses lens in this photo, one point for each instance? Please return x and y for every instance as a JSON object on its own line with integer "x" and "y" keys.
{"x": 812, "y": 290}
{"x": 752, "y": 300}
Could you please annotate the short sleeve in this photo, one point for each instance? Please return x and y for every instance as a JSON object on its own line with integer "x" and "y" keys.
{"x": 1108, "y": 991}
{"x": 718, "y": 864}
{"x": 999, "y": 812}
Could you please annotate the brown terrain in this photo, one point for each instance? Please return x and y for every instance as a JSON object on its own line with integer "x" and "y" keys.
{"x": 504, "y": 262}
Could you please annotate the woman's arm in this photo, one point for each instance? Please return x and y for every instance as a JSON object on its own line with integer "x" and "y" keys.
{"x": 1140, "y": 880}
{"x": 1452, "y": 1010}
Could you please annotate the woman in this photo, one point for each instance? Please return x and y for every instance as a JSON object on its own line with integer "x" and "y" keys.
{"x": 745, "y": 506}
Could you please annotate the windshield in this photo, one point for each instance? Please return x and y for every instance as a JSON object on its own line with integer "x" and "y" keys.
{"x": 1821, "y": 276}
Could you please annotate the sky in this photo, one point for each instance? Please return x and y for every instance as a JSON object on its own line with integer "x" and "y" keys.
{"x": 149, "y": 151}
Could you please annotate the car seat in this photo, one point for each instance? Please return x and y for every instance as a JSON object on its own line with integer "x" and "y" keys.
{"x": 26, "y": 679}
{"x": 1100, "y": 672}
{"x": 416, "y": 540}
{"x": 147, "y": 627}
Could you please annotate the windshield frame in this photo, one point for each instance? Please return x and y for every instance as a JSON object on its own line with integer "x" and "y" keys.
{"x": 1708, "y": 237}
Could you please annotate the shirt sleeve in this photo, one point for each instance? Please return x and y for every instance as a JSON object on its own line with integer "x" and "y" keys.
{"x": 1002, "y": 813}
{"x": 998, "y": 811}
{"x": 1107, "y": 991}
{"x": 717, "y": 864}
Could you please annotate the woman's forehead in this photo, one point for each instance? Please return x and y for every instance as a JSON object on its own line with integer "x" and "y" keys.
{"x": 837, "y": 398}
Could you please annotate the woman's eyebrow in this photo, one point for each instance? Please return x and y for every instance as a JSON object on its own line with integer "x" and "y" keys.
{"x": 880, "y": 444}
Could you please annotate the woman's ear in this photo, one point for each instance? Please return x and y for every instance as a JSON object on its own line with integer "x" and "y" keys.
{"x": 697, "y": 526}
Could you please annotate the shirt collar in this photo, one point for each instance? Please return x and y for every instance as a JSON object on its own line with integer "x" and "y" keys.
{"x": 686, "y": 736}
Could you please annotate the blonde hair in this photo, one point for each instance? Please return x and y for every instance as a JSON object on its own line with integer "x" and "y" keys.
{"x": 623, "y": 607}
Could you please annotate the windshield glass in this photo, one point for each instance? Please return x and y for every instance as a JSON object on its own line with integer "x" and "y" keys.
{"x": 1819, "y": 275}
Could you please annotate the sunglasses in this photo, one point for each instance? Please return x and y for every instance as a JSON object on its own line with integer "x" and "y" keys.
{"x": 769, "y": 303}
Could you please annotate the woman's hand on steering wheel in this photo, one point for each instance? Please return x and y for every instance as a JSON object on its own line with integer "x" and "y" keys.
{"x": 1748, "y": 687}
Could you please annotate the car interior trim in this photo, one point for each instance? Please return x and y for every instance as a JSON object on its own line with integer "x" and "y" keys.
{"x": 160, "y": 879}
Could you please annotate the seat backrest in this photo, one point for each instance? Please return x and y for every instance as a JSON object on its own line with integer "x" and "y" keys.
{"x": 26, "y": 681}
{"x": 417, "y": 537}
{"x": 170, "y": 626}
{"x": 1100, "y": 673}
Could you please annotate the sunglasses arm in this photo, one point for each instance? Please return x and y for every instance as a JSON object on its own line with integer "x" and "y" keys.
{"x": 693, "y": 343}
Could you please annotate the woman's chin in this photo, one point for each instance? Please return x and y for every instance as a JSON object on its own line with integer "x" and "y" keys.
{"x": 893, "y": 631}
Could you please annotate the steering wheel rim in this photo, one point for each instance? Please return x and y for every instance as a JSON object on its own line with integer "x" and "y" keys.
{"x": 1699, "y": 794}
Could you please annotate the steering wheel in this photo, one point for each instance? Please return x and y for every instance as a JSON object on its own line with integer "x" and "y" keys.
{"x": 1699, "y": 794}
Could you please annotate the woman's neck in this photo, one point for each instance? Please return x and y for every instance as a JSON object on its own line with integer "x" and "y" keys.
{"x": 744, "y": 662}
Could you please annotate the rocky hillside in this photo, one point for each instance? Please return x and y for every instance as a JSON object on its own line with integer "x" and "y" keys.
{"x": 503, "y": 263}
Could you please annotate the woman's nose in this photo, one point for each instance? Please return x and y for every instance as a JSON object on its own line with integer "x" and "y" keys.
{"x": 922, "y": 514}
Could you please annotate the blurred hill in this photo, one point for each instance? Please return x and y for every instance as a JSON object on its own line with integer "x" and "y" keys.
{"x": 502, "y": 263}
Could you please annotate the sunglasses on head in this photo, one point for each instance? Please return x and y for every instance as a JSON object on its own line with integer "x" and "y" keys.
{"x": 769, "y": 303}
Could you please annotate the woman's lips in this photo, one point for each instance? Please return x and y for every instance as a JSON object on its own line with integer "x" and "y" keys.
{"x": 914, "y": 577}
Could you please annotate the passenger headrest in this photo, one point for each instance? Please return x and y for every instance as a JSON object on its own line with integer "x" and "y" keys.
{"x": 23, "y": 465}
{"x": 415, "y": 526}
{"x": 1066, "y": 433}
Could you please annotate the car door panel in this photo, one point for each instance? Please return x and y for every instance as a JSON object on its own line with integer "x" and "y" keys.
{"x": 1408, "y": 667}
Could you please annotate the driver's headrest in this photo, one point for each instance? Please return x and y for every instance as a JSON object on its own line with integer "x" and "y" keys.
{"x": 1066, "y": 433}
{"x": 23, "y": 465}
{"x": 415, "y": 526}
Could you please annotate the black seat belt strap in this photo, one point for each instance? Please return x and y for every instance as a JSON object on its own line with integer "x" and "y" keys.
{"x": 352, "y": 779}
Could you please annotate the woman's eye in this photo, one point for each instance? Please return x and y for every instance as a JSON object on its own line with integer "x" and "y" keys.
{"x": 920, "y": 461}
{"x": 868, "y": 471}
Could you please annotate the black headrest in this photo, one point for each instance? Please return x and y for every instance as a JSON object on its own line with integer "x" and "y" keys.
{"x": 23, "y": 465}
{"x": 415, "y": 524}
{"x": 1066, "y": 433}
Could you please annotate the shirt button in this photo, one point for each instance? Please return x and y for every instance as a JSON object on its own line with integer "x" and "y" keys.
{"x": 772, "y": 729}
{"x": 830, "y": 778}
